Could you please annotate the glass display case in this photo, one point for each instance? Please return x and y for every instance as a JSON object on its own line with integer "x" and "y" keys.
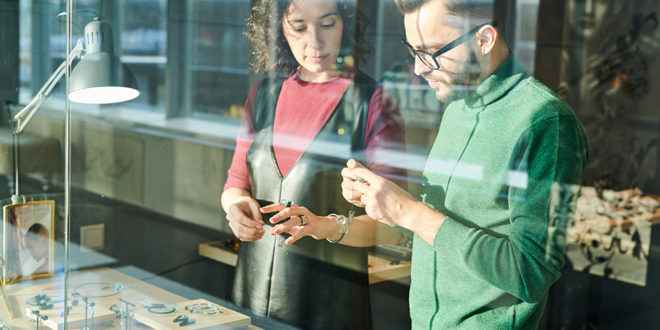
{"x": 150, "y": 147}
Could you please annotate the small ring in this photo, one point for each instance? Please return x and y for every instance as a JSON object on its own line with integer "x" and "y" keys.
{"x": 303, "y": 220}
{"x": 287, "y": 202}
{"x": 360, "y": 179}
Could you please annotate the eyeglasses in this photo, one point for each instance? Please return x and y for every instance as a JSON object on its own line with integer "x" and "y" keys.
{"x": 430, "y": 59}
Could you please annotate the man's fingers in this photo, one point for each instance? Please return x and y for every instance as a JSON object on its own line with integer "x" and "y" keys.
{"x": 347, "y": 173}
{"x": 364, "y": 175}
{"x": 352, "y": 171}
{"x": 352, "y": 164}
{"x": 350, "y": 194}
{"x": 361, "y": 189}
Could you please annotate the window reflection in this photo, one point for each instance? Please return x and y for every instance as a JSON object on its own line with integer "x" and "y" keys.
{"x": 191, "y": 59}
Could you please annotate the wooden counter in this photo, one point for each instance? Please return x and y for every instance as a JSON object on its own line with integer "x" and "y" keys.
{"x": 379, "y": 269}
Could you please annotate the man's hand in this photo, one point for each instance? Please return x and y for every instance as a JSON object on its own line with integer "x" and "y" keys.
{"x": 382, "y": 199}
{"x": 386, "y": 202}
{"x": 245, "y": 219}
{"x": 348, "y": 184}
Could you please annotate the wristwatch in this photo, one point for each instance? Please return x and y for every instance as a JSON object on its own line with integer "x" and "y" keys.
{"x": 343, "y": 227}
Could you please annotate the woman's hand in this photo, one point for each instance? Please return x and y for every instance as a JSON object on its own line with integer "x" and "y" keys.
{"x": 294, "y": 216}
{"x": 245, "y": 219}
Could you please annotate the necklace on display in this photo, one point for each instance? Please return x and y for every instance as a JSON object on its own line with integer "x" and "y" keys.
{"x": 351, "y": 213}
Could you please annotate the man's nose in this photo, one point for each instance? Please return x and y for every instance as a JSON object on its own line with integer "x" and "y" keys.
{"x": 421, "y": 68}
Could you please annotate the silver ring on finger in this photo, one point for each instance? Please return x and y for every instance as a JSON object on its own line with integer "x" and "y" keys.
{"x": 303, "y": 220}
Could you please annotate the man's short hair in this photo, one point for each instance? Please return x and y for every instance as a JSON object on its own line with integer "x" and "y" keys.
{"x": 477, "y": 11}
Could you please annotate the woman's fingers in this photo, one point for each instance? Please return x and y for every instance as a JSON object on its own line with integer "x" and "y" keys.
{"x": 249, "y": 232}
{"x": 254, "y": 209}
{"x": 243, "y": 216}
{"x": 297, "y": 233}
{"x": 285, "y": 227}
{"x": 245, "y": 220}
{"x": 275, "y": 207}
{"x": 287, "y": 212}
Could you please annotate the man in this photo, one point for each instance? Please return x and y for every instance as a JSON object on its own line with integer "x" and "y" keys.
{"x": 499, "y": 180}
{"x": 498, "y": 188}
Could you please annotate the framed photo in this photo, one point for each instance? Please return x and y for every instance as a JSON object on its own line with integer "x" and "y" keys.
{"x": 27, "y": 241}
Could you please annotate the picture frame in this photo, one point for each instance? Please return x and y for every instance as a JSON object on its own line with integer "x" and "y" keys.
{"x": 28, "y": 241}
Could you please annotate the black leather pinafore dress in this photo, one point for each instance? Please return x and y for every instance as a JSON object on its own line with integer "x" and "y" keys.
{"x": 310, "y": 284}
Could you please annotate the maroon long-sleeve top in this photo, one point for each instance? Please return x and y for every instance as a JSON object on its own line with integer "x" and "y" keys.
{"x": 302, "y": 109}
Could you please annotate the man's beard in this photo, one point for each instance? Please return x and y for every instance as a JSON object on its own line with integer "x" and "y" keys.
{"x": 464, "y": 81}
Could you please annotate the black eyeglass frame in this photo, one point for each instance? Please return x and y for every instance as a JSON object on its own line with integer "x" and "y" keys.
{"x": 455, "y": 43}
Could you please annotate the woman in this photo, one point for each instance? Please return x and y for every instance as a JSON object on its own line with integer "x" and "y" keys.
{"x": 300, "y": 126}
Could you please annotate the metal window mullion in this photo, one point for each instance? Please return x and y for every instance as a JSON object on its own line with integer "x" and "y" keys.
{"x": 177, "y": 71}
{"x": 40, "y": 39}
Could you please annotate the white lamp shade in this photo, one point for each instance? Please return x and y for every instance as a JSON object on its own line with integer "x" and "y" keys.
{"x": 104, "y": 95}
{"x": 100, "y": 78}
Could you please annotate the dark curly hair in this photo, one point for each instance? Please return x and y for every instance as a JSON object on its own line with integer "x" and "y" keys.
{"x": 270, "y": 52}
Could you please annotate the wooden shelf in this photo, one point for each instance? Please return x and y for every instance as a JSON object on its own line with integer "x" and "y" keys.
{"x": 379, "y": 269}
{"x": 383, "y": 270}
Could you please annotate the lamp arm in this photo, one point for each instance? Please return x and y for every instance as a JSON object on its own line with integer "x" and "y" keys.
{"x": 23, "y": 117}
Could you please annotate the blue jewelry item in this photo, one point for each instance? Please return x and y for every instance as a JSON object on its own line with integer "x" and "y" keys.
{"x": 162, "y": 308}
{"x": 180, "y": 318}
{"x": 42, "y": 301}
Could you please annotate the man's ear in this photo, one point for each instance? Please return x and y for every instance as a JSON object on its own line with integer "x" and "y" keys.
{"x": 487, "y": 37}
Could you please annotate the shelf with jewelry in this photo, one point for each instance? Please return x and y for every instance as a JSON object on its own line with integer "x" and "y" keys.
{"x": 611, "y": 234}
{"x": 110, "y": 299}
{"x": 381, "y": 268}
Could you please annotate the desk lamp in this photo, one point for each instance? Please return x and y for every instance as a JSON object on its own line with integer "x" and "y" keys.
{"x": 98, "y": 78}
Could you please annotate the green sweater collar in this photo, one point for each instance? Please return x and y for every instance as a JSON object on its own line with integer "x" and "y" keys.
{"x": 498, "y": 84}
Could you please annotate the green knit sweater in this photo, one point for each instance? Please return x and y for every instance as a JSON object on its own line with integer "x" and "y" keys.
{"x": 492, "y": 170}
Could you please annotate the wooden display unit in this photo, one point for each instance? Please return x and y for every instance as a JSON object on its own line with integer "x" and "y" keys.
{"x": 105, "y": 287}
{"x": 379, "y": 269}
{"x": 226, "y": 319}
